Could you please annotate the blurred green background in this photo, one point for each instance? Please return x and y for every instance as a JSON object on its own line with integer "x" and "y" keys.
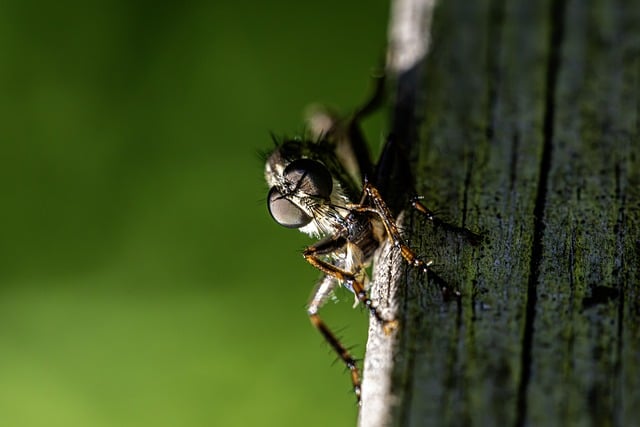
{"x": 142, "y": 281}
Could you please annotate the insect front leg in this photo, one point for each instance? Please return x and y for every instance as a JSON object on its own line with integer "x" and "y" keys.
{"x": 333, "y": 275}
{"x": 378, "y": 206}
{"x": 312, "y": 255}
{"x": 473, "y": 238}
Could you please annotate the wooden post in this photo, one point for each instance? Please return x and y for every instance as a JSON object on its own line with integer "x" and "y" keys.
{"x": 528, "y": 130}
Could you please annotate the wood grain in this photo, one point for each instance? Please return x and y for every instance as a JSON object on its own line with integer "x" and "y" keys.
{"x": 527, "y": 129}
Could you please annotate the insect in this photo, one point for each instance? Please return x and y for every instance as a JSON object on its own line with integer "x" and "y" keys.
{"x": 320, "y": 186}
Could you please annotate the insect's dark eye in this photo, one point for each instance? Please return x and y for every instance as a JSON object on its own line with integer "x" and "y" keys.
{"x": 285, "y": 212}
{"x": 309, "y": 177}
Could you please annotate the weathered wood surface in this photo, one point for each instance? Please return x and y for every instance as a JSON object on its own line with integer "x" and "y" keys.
{"x": 531, "y": 134}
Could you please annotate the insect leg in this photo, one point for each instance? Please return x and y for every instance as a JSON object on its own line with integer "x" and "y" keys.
{"x": 380, "y": 208}
{"x": 332, "y": 275}
{"x": 345, "y": 133}
{"x": 319, "y": 297}
{"x": 312, "y": 255}
{"x": 375, "y": 100}
{"x": 473, "y": 238}
{"x": 355, "y": 137}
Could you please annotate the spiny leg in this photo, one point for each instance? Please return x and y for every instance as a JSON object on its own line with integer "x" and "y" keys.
{"x": 311, "y": 254}
{"x": 320, "y": 296}
{"x": 473, "y": 238}
{"x": 380, "y": 208}
{"x": 332, "y": 275}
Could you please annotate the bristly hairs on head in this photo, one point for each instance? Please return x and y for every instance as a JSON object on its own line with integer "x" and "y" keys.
{"x": 305, "y": 134}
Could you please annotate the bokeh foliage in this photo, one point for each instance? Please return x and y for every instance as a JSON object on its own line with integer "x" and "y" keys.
{"x": 141, "y": 279}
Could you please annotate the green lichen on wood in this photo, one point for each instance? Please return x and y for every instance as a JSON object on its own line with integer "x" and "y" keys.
{"x": 531, "y": 135}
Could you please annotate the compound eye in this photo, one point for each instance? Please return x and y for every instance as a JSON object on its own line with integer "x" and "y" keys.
{"x": 310, "y": 177}
{"x": 285, "y": 212}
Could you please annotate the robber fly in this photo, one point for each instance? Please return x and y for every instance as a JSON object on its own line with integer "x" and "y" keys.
{"x": 320, "y": 186}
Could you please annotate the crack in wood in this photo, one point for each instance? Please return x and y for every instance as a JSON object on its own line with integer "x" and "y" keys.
{"x": 558, "y": 9}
